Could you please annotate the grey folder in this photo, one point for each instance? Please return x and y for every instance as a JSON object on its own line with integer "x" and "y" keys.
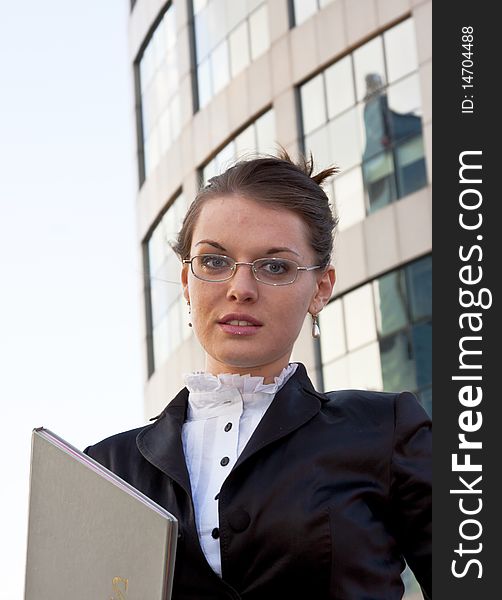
{"x": 92, "y": 536}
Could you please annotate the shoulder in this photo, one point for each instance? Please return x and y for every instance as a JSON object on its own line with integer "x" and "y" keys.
{"x": 396, "y": 409}
{"x": 116, "y": 448}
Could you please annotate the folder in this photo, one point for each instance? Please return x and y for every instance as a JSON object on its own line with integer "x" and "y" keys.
{"x": 90, "y": 533}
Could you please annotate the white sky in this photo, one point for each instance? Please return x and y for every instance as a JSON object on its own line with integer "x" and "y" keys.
{"x": 70, "y": 348}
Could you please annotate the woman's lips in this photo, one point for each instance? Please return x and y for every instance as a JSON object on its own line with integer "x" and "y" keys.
{"x": 239, "y": 324}
{"x": 239, "y": 329}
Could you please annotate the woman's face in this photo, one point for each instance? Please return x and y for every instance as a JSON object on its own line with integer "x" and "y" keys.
{"x": 270, "y": 317}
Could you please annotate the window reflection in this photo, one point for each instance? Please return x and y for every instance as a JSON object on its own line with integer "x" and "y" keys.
{"x": 159, "y": 96}
{"x": 397, "y": 355}
{"x": 304, "y": 9}
{"x": 368, "y": 59}
{"x": 349, "y": 197}
{"x": 228, "y": 36}
{"x": 400, "y": 50}
{"x": 353, "y": 118}
{"x": 339, "y": 87}
{"x": 166, "y": 322}
{"x": 258, "y": 137}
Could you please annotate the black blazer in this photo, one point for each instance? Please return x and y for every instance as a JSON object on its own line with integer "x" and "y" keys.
{"x": 328, "y": 496}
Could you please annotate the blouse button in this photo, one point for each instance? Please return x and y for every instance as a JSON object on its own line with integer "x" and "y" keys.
{"x": 228, "y": 426}
{"x": 224, "y": 461}
{"x": 215, "y": 533}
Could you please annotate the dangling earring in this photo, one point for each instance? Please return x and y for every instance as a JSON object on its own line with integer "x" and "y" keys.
{"x": 316, "y": 332}
{"x": 189, "y": 313}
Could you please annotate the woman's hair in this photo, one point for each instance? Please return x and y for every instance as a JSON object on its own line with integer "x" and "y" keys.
{"x": 278, "y": 182}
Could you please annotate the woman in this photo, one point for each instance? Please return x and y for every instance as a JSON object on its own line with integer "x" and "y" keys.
{"x": 280, "y": 491}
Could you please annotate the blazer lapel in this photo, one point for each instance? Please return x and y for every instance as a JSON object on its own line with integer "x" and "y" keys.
{"x": 161, "y": 443}
{"x": 294, "y": 405}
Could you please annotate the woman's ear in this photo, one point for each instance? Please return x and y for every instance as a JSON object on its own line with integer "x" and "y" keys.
{"x": 323, "y": 291}
{"x": 184, "y": 283}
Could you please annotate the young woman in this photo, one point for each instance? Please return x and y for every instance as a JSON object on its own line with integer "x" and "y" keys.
{"x": 280, "y": 491}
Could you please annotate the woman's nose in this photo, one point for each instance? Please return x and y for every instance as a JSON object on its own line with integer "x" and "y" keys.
{"x": 243, "y": 287}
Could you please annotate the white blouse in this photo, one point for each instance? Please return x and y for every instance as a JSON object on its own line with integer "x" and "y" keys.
{"x": 223, "y": 412}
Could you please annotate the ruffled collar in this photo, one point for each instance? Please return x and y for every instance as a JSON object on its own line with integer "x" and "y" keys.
{"x": 216, "y": 395}
{"x": 245, "y": 384}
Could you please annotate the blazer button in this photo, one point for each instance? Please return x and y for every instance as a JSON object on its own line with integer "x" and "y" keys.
{"x": 239, "y": 520}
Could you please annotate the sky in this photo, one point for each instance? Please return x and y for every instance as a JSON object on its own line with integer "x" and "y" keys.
{"x": 70, "y": 335}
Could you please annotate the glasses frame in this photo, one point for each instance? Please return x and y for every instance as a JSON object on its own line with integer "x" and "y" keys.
{"x": 248, "y": 264}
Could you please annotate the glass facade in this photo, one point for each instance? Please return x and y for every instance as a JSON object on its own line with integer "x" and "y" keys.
{"x": 229, "y": 35}
{"x": 167, "y": 315}
{"x": 303, "y": 9}
{"x": 157, "y": 72}
{"x": 379, "y": 336}
{"x": 363, "y": 113}
{"x": 257, "y": 137}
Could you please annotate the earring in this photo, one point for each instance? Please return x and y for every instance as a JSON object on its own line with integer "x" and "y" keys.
{"x": 316, "y": 332}
{"x": 189, "y": 313}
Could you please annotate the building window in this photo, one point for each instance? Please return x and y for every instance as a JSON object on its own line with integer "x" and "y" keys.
{"x": 257, "y": 137}
{"x": 379, "y": 336}
{"x": 158, "y": 90}
{"x": 166, "y": 313}
{"x": 363, "y": 113}
{"x": 303, "y": 9}
{"x": 229, "y": 35}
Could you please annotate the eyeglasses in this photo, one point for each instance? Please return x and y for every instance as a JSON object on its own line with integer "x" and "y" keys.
{"x": 272, "y": 271}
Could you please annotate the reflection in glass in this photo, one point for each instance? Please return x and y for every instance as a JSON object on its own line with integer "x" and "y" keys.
{"x": 228, "y": 34}
{"x": 313, "y": 104}
{"x": 425, "y": 397}
{"x": 245, "y": 142}
{"x": 318, "y": 144}
{"x": 336, "y": 374}
{"x": 410, "y": 165}
{"x": 391, "y": 302}
{"x": 403, "y": 352}
{"x": 349, "y": 195}
{"x": 333, "y": 331}
{"x": 202, "y": 37}
{"x": 303, "y": 9}
{"x": 339, "y": 86}
{"x": 422, "y": 345}
{"x": 404, "y": 97}
{"x": 419, "y": 284}
{"x": 344, "y": 140}
{"x": 398, "y": 364}
{"x": 359, "y": 317}
{"x": 364, "y": 368}
{"x": 368, "y": 60}
{"x": 265, "y": 132}
{"x": 204, "y": 82}
{"x": 378, "y": 174}
{"x": 165, "y": 291}
{"x": 219, "y": 67}
{"x": 158, "y": 80}
{"x": 257, "y": 137}
{"x": 400, "y": 50}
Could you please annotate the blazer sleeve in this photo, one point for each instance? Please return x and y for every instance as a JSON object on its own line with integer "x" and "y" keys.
{"x": 411, "y": 487}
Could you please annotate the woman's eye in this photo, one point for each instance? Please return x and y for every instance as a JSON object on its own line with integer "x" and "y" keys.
{"x": 275, "y": 267}
{"x": 214, "y": 262}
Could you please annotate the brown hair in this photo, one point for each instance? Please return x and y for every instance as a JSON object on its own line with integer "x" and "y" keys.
{"x": 277, "y": 181}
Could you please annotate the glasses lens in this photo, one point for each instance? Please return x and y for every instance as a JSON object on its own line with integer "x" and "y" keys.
{"x": 213, "y": 267}
{"x": 275, "y": 271}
